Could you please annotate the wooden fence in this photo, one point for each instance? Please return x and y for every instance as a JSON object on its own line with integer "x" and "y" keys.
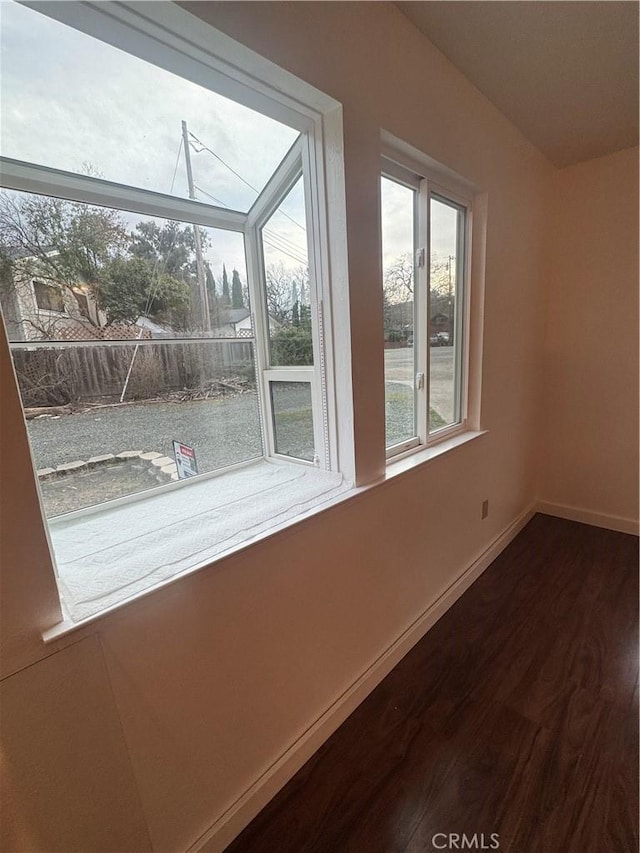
{"x": 51, "y": 376}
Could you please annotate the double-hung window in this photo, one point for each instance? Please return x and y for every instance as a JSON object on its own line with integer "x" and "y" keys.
{"x": 425, "y": 262}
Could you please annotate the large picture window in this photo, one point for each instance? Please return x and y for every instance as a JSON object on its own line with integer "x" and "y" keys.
{"x": 425, "y": 259}
{"x": 161, "y": 293}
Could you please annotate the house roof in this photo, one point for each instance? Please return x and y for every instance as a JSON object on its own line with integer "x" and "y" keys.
{"x": 235, "y": 315}
{"x": 156, "y": 329}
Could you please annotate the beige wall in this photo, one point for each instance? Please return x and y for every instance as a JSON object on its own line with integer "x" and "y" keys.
{"x": 589, "y": 429}
{"x": 206, "y": 683}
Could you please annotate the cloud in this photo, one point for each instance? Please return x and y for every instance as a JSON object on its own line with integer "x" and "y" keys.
{"x": 397, "y": 204}
{"x": 69, "y": 99}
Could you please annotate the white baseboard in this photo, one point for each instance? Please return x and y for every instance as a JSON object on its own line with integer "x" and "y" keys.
{"x": 597, "y": 519}
{"x": 266, "y": 786}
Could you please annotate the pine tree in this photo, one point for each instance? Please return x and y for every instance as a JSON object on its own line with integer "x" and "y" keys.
{"x": 237, "y": 300}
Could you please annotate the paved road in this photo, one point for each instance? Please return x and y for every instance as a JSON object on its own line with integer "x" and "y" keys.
{"x": 398, "y": 364}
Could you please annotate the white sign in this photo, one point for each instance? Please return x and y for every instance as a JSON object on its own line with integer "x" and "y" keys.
{"x": 185, "y": 460}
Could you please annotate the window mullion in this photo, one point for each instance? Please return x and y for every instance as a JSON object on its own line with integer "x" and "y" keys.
{"x": 424, "y": 312}
{"x": 43, "y": 180}
{"x": 319, "y": 382}
{"x": 277, "y": 187}
{"x": 260, "y": 323}
{"x": 459, "y": 319}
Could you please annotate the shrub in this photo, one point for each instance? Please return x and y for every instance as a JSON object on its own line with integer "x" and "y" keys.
{"x": 147, "y": 378}
{"x": 292, "y": 345}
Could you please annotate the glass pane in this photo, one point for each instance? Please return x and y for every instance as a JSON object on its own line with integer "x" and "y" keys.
{"x": 286, "y": 268}
{"x": 74, "y": 272}
{"x": 397, "y": 206}
{"x": 445, "y": 334}
{"x": 292, "y": 419}
{"x": 63, "y": 105}
{"x": 102, "y": 420}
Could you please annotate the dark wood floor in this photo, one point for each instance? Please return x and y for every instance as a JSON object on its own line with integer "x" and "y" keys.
{"x": 516, "y": 715}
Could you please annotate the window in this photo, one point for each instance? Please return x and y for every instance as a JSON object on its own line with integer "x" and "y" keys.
{"x": 425, "y": 259}
{"x": 175, "y": 328}
{"x": 48, "y": 298}
{"x": 83, "y": 303}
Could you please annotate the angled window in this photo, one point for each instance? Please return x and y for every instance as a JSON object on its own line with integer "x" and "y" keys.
{"x": 162, "y": 293}
{"x": 425, "y": 261}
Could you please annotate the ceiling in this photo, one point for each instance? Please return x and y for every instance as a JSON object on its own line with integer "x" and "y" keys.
{"x": 565, "y": 73}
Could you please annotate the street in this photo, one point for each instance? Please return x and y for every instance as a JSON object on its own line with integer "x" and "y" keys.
{"x": 398, "y": 367}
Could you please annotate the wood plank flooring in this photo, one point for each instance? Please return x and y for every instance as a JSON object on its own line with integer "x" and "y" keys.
{"x": 516, "y": 714}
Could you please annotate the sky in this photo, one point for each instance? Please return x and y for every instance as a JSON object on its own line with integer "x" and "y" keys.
{"x": 69, "y": 100}
{"x": 397, "y": 225}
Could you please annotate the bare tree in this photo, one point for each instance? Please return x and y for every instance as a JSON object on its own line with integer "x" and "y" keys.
{"x": 284, "y": 284}
{"x": 398, "y": 278}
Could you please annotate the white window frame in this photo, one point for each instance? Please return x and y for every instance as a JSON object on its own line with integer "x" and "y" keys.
{"x": 168, "y": 36}
{"x": 428, "y": 179}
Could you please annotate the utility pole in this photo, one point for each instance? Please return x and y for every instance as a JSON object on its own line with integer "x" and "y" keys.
{"x": 202, "y": 282}
{"x": 451, "y": 258}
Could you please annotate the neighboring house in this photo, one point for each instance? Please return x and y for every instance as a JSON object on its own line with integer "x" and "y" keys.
{"x": 441, "y": 324}
{"x": 239, "y": 319}
{"x": 237, "y": 324}
{"x": 35, "y": 310}
{"x": 147, "y": 328}
{"x": 398, "y": 322}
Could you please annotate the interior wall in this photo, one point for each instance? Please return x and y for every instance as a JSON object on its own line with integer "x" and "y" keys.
{"x": 589, "y": 429}
{"x": 214, "y": 677}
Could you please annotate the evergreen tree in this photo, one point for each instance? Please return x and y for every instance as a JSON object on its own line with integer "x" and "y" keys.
{"x": 225, "y": 285}
{"x": 211, "y": 282}
{"x": 295, "y": 314}
{"x": 237, "y": 300}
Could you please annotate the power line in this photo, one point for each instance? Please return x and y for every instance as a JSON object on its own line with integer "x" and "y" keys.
{"x": 212, "y": 197}
{"x": 272, "y": 240}
{"x": 273, "y": 246}
{"x": 286, "y": 246}
{"x": 289, "y": 244}
{"x": 204, "y": 147}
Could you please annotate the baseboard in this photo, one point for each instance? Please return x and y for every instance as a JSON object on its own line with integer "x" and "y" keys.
{"x": 586, "y": 516}
{"x": 264, "y": 788}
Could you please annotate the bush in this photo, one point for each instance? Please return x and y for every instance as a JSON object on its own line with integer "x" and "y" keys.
{"x": 292, "y": 345}
{"x": 245, "y": 371}
{"x": 45, "y": 377}
{"x": 147, "y": 378}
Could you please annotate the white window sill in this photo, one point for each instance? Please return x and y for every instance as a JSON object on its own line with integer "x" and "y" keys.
{"x": 142, "y": 546}
{"x": 418, "y": 456}
{"x": 111, "y": 557}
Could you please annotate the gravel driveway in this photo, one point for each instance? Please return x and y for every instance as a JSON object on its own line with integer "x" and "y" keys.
{"x": 223, "y": 431}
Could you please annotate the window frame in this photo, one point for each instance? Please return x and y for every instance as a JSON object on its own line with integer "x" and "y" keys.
{"x": 173, "y": 39}
{"x": 430, "y": 180}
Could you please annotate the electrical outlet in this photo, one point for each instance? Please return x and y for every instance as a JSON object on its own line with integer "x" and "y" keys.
{"x": 485, "y": 508}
